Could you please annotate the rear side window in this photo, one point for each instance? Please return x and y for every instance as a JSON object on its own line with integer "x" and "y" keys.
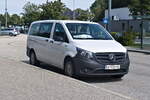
{"x": 34, "y": 29}
{"x": 45, "y": 30}
{"x": 3, "y": 30}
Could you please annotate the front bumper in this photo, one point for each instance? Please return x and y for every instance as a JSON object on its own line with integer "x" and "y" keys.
{"x": 87, "y": 67}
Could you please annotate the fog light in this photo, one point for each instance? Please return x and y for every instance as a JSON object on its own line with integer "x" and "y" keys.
{"x": 86, "y": 70}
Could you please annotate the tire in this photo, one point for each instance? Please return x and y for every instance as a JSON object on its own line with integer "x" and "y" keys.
{"x": 33, "y": 60}
{"x": 118, "y": 76}
{"x": 69, "y": 69}
{"x": 10, "y": 34}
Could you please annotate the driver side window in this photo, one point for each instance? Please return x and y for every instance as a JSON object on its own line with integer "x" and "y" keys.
{"x": 59, "y": 33}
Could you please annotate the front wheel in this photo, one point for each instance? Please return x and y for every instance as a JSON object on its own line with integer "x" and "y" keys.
{"x": 69, "y": 70}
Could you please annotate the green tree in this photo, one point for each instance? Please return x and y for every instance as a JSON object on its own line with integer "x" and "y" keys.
{"x": 68, "y": 13}
{"x": 83, "y": 15}
{"x": 140, "y": 7}
{"x": 120, "y": 3}
{"x": 15, "y": 19}
{"x": 31, "y": 13}
{"x": 2, "y": 19}
{"x": 98, "y": 9}
{"x": 8, "y": 19}
{"x": 53, "y": 10}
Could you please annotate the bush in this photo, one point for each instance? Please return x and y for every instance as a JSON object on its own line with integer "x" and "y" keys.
{"x": 114, "y": 34}
{"x": 126, "y": 38}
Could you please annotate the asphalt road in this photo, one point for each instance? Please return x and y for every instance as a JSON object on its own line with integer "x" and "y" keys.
{"x": 136, "y": 83}
{"x": 19, "y": 80}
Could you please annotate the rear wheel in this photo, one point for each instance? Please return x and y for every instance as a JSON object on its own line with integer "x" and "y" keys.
{"x": 69, "y": 70}
{"x": 33, "y": 60}
{"x": 10, "y": 34}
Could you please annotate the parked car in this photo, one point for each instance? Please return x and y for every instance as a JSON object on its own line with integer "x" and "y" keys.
{"x": 18, "y": 30}
{"x": 9, "y": 31}
{"x": 79, "y": 48}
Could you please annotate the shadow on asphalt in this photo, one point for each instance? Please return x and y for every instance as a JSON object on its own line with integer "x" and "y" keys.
{"x": 48, "y": 67}
{"x": 99, "y": 79}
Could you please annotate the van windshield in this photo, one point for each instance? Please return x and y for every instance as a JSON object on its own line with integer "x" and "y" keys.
{"x": 88, "y": 31}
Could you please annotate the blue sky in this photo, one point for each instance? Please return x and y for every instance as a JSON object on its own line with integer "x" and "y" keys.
{"x": 15, "y": 6}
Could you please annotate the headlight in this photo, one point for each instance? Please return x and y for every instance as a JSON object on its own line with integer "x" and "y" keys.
{"x": 84, "y": 53}
{"x": 126, "y": 55}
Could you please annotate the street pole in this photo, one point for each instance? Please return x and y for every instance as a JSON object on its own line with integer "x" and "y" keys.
{"x": 109, "y": 15}
{"x": 141, "y": 34}
{"x": 5, "y": 13}
{"x": 74, "y": 14}
{"x": 0, "y": 27}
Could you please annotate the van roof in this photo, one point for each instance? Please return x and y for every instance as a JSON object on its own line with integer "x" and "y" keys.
{"x": 64, "y": 21}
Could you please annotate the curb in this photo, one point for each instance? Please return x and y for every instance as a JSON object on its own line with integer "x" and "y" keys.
{"x": 140, "y": 51}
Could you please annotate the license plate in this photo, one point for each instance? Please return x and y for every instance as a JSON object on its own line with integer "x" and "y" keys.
{"x": 112, "y": 67}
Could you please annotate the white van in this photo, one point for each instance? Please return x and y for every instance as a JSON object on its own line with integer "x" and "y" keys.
{"x": 80, "y": 48}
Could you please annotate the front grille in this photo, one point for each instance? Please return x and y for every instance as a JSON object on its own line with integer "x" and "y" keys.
{"x": 118, "y": 58}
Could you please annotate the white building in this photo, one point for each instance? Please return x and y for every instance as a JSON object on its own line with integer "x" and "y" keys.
{"x": 119, "y": 14}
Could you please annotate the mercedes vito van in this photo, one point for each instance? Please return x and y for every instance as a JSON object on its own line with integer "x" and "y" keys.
{"x": 80, "y": 48}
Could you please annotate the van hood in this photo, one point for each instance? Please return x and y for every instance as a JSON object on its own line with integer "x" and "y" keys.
{"x": 100, "y": 45}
